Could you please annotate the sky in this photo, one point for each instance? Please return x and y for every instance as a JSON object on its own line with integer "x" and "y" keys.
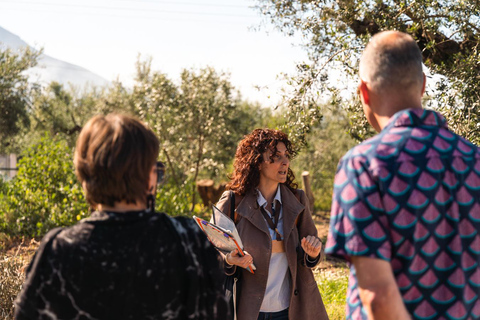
{"x": 107, "y": 36}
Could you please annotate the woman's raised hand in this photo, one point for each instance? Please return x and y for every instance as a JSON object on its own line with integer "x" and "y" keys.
{"x": 312, "y": 246}
{"x": 233, "y": 258}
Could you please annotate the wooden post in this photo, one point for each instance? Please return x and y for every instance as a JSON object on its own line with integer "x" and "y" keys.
{"x": 308, "y": 189}
{"x": 208, "y": 192}
{"x": 13, "y": 165}
{"x": 204, "y": 188}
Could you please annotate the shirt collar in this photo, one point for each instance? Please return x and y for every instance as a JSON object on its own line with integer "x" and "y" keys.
{"x": 416, "y": 117}
{"x": 262, "y": 201}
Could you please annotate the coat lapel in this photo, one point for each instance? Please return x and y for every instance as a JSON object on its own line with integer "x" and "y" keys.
{"x": 291, "y": 209}
{"x": 248, "y": 208}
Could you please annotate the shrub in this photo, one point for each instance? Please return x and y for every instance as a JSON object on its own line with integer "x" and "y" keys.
{"x": 174, "y": 199}
{"x": 44, "y": 194}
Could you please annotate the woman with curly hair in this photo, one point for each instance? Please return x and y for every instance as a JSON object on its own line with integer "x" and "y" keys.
{"x": 274, "y": 221}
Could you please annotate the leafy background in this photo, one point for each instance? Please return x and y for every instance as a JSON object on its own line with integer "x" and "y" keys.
{"x": 200, "y": 117}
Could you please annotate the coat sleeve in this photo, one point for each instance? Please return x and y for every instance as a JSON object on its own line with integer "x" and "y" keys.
{"x": 306, "y": 227}
{"x": 224, "y": 205}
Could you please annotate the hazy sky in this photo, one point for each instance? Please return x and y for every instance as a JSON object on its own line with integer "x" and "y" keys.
{"x": 106, "y": 36}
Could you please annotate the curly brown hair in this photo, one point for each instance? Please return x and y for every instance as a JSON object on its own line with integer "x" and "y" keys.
{"x": 249, "y": 156}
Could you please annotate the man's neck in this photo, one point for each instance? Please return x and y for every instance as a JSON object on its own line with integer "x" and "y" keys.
{"x": 387, "y": 103}
{"x": 384, "y": 119}
{"x": 122, "y": 206}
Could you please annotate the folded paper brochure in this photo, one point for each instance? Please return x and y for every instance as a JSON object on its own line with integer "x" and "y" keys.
{"x": 222, "y": 233}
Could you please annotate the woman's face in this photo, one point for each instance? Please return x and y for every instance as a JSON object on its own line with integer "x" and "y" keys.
{"x": 276, "y": 171}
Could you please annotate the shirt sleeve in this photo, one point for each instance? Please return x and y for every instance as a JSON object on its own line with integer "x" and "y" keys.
{"x": 358, "y": 224}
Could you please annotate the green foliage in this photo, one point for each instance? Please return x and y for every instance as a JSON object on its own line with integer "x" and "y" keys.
{"x": 14, "y": 92}
{"x": 199, "y": 122}
{"x": 115, "y": 98}
{"x": 326, "y": 143}
{"x": 3, "y": 186}
{"x": 174, "y": 199}
{"x": 447, "y": 32}
{"x": 44, "y": 194}
{"x": 55, "y": 110}
{"x": 62, "y": 112}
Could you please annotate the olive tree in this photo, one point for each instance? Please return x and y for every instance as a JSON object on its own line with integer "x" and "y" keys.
{"x": 199, "y": 121}
{"x": 336, "y": 32}
{"x": 14, "y": 92}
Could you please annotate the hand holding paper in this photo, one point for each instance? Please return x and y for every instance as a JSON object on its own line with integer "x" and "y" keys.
{"x": 237, "y": 259}
{"x": 224, "y": 236}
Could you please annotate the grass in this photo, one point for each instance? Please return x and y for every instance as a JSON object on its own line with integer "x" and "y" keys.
{"x": 332, "y": 283}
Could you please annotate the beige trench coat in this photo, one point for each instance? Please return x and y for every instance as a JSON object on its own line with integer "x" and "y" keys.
{"x": 305, "y": 300}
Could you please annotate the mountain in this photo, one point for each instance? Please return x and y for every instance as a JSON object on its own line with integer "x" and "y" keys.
{"x": 50, "y": 69}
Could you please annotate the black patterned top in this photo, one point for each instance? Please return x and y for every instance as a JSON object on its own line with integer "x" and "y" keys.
{"x": 134, "y": 265}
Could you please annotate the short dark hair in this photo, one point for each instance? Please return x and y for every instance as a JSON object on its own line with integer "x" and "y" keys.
{"x": 113, "y": 159}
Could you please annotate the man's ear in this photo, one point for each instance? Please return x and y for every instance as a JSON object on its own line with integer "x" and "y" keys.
{"x": 364, "y": 92}
{"x": 424, "y": 84}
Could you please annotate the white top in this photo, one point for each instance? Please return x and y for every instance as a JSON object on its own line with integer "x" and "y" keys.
{"x": 277, "y": 293}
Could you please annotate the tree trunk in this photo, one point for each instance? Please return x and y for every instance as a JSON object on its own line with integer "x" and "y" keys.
{"x": 174, "y": 174}
{"x": 308, "y": 189}
{"x": 208, "y": 192}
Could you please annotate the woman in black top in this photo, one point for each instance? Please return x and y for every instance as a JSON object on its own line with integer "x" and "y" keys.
{"x": 125, "y": 261}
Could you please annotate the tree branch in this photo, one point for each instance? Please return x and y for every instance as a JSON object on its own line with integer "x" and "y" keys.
{"x": 444, "y": 48}
{"x": 174, "y": 174}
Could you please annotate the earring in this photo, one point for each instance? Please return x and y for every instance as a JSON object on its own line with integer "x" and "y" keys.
{"x": 150, "y": 203}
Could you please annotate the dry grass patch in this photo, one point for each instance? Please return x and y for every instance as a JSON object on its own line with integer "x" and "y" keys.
{"x": 14, "y": 257}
